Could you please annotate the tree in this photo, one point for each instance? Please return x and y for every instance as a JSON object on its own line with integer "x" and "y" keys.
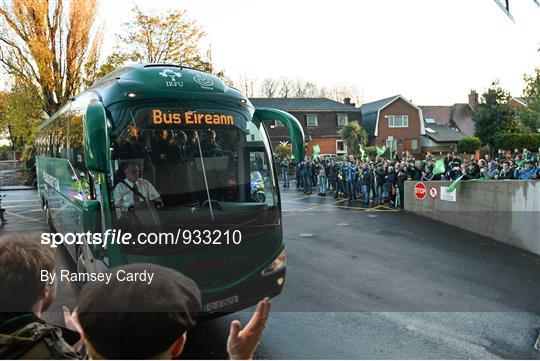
{"x": 269, "y": 87}
{"x": 340, "y": 92}
{"x": 21, "y": 114}
{"x": 285, "y": 88}
{"x": 283, "y": 150}
{"x": 494, "y": 115}
{"x": 50, "y": 46}
{"x": 168, "y": 38}
{"x": 530, "y": 116}
{"x": 248, "y": 86}
{"x": 469, "y": 145}
{"x": 353, "y": 136}
{"x": 518, "y": 141}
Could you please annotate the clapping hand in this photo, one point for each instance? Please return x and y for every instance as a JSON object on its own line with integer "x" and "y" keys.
{"x": 72, "y": 323}
{"x": 242, "y": 343}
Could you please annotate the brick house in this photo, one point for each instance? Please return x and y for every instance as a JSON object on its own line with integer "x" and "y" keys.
{"x": 321, "y": 119}
{"x": 395, "y": 122}
{"x": 518, "y": 102}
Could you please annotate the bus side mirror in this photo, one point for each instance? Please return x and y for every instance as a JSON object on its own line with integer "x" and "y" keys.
{"x": 291, "y": 123}
{"x": 96, "y": 138}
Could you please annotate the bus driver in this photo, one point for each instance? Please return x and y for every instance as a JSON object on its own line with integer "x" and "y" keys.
{"x": 133, "y": 189}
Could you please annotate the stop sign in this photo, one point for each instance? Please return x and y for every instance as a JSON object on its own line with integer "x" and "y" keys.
{"x": 420, "y": 190}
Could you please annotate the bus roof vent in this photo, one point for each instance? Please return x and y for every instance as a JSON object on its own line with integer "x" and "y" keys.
{"x": 160, "y": 65}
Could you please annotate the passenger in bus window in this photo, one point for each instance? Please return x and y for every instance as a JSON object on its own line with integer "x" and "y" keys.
{"x": 159, "y": 145}
{"x": 133, "y": 189}
{"x": 209, "y": 145}
{"x": 192, "y": 148}
{"x": 131, "y": 146}
{"x": 176, "y": 148}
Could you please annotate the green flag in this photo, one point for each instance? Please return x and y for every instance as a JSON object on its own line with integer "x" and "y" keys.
{"x": 362, "y": 151}
{"x": 439, "y": 167}
{"x": 457, "y": 181}
{"x": 381, "y": 150}
{"x": 316, "y": 150}
{"x": 454, "y": 184}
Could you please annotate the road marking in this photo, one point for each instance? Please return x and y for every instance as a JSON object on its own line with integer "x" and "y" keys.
{"x": 326, "y": 204}
{"x": 32, "y": 210}
{"x": 537, "y": 343}
{"x": 23, "y": 217}
{"x": 309, "y": 195}
{"x": 381, "y": 208}
{"x": 20, "y": 201}
{"x": 351, "y": 207}
{"x": 26, "y": 229}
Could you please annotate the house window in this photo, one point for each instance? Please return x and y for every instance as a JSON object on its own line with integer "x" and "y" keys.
{"x": 311, "y": 120}
{"x": 391, "y": 143}
{"x": 398, "y": 121}
{"x": 342, "y": 119}
{"x": 341, "y": 147}
{"x": 414, "y": 144}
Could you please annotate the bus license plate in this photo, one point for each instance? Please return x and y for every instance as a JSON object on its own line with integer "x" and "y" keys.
{"x": 212, "y": 306}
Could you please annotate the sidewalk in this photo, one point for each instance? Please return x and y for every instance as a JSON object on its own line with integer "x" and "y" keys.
{"x": 15, "y": 188}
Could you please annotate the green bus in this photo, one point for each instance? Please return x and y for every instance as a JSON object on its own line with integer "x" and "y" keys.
{"x": 211, "y": 204}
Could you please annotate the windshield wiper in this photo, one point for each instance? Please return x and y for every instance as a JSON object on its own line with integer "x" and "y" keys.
{"x": 205, "y": 179}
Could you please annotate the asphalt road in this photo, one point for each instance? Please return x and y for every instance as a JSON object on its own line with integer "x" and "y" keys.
{"x": 373, "y": 283}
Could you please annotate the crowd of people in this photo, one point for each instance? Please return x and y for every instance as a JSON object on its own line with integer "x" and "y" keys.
{"x": 380, "y": 181}
{"x": 115, "y": 320}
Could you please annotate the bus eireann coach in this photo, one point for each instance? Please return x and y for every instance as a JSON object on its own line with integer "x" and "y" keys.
{"x": 203, "y": 150}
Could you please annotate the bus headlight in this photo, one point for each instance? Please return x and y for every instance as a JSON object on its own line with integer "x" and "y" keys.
{"x": 277, "y": 265}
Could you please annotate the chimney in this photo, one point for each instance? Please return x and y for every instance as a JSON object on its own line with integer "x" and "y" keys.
{"x": 347, "y": 101}
{"x": 473, "y": 98}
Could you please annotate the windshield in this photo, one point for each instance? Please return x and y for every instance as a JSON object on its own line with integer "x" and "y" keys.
{"x": 194, "y": 167}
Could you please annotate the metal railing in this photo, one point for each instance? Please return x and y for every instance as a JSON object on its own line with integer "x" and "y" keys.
{"x": 10, "y": 172}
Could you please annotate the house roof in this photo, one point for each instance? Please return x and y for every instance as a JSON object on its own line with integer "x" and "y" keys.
{"x": 462, "y": 118}
{"x": 377, "y": 105}
{"x": 370, "y": 113}
{"x": 302, "y": 104}
{"x": 442, "y": 133}
{"x": 441, "y": 114}
{"x": 425, "y": 142}
{"x": 521, "y": 100}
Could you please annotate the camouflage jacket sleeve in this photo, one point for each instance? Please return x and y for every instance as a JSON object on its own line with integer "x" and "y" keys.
{"x": 36, "y": 341}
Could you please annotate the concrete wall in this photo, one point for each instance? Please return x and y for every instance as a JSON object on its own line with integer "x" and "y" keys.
{"x": 507, "y": 211}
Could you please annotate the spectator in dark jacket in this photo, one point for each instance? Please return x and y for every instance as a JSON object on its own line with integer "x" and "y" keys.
{"x": 506, "y": 172}
{"x": 367, "y": 182}
{"x": 416, "y": 173}
{"x": 473, "y": 171}
{"x": 401, "y": 178}
{"x": 389, "y": 184}
{"x": 333, "y": 175}
{"x": 380, "y": 176}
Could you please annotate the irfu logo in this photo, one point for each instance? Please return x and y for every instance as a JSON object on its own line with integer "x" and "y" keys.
{"x": 204, "y": 81}
{"x": 172, "y": 75}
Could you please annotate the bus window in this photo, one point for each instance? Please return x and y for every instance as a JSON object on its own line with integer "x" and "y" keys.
{"x": 192, "y": 169}
{"x": 76, "y": 151}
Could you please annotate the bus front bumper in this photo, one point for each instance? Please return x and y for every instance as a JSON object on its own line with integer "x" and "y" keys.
{"x": 247, "y": 295}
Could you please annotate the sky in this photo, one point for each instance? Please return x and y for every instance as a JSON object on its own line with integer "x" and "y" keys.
{"x": 430, "y": 51}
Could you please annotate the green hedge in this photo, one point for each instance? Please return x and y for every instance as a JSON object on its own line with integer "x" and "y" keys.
{"x": 511, "y": 141}
{"x": 469, "y": 145}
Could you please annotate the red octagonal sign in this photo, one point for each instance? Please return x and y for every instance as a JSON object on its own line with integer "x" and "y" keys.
{"x": 420, "y": 190}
